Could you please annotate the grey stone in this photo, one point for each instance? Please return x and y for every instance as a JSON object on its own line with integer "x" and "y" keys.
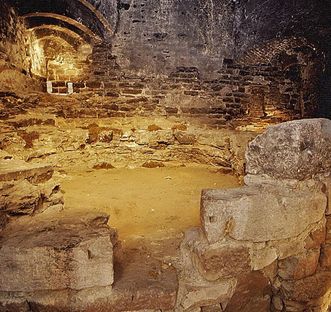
{"x": 292, "y": 150}
{"x": 261, "y": 213}
{"x": 49, "y": 252}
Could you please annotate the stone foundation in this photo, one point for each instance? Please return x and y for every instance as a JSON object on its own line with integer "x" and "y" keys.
{"x": 262, "y": 247}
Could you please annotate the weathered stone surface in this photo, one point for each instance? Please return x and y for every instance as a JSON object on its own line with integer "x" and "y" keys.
{"x": 260, "y": 213}
{"x": 209, "y": 294}
{"x": 49, "y": 252}
{"x": 327, "y": 183}
{"x": 326, "y": 256}
{"x": 228, "y": 261}
{"x": 293, "y": 150}
{"x": 212, "y": 308}
{"x": 20, "y": 198}
{"x": 277, "y": 303}
{"x": 142, "y": 283}
{"x": 251, "y": 294}
{"x": 3, "y": 220}
{"x": 185, "y": 138}
{"x": 316, "y": 238}
{"x": 328, "y": 230}
{"x": 16, "y": 169}
{"x": 299, "y": 266}
{"x": 27, "y": 188}
{"x": 304, "y": 290}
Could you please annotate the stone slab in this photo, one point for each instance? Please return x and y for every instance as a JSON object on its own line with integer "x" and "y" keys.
{"x": 260, "y": 213}
{"x": 54, "y": 253}
{"x": 16, "y": 169}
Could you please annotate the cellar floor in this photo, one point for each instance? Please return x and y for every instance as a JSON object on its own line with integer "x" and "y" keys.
{"x": 144, "y": 203}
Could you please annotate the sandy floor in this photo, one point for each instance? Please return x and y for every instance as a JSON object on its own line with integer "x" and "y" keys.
{"x": 144, "y": 203}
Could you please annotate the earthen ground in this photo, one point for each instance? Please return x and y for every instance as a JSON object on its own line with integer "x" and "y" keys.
{"x": 149, "y": 204}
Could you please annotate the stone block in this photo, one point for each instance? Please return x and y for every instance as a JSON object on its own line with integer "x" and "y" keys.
{"x": 292, "y": 150}
{"x": 251, "y": 294}
{"x": 326, "y": 256}
{"x": 309, "y": 288}
{"x": 328, "y": 230}
{"x": 212, "y": 308}
{"x": 260, "y": 213}
{"x": 299, "y": 266}
{"x": 316, "y": 238}
{"x": 185, "y": 138}
{"x": 209, "y": 294}
{"x": 327, "y": 184}
{"x": 222, "y": 262}
{"x": 20, "y": 198}
{"x": 47, "y": 252}
{"x": 16, "y": 169}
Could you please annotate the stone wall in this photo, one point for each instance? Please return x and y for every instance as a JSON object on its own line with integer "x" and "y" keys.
{"x": 262, "y": 247}
{"x": 271, "y": 233}
{"x": 68, "y": 132}
{"x": 17, "y": 53}
{"x": 239, "y": 91}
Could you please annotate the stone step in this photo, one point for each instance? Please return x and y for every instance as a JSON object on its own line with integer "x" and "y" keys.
{"x": 11, "y": 169}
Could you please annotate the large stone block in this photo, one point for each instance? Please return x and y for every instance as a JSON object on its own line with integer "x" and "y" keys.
{"x": 299, "y": 266}
{"x": 17, "y": 169}
{"x": 309, "y": 288}
{"x": 222, "y": 262}
{"x": 326, "y": 257}
{"x": 293, "y": 150}
{"x": 327, "y": 184}
{"x": 251, "y": 294}
{"x": 47, "y": 252}
{"x": 261, "y": 213}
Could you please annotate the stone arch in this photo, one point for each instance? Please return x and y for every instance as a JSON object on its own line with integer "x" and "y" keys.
{"x": 299, "y": 62}
{"x": 48, "y": 22}
{"x": 268, "y": 51}
{"x": 82, "y": 11}
{"x": 67, "y": 20}
{"x": 72, "y": 38}
{"x": 58, "y": 29}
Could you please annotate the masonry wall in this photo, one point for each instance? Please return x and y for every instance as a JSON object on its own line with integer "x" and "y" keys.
{"x": 12, "y": 43}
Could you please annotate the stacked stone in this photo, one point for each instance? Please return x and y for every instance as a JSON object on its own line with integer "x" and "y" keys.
{"x": 27, "y": 189}
{"x": 263, "y": 247}
{"x": 238, "y": 91}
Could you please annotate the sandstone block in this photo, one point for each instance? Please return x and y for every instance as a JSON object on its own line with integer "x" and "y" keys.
{"x": 16, "y": 169}
{"x": 251, "y": 294}
{"x": 293, "y": 150}
{"x": 47, "y": 253}
{"x": 328, "y": 229}
{"x": 222, "y": 262}
{"x": 106, "y": 136}
{"x": 327, "y": 183}
{"x": 185, "y": 138}
{"x": 212, "y": 308}
{"x": 316, "y": 238}
{"x": 20, "y": 198}
{"x": 299, "y": 266}
{"x": 326, "y": 256}
{"x": 309, "y": 288}
{"x": 260, "y": 213}
{"x": 204, "y": 295}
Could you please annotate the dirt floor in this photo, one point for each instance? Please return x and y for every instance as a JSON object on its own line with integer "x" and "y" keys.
{"x": 144, "y": 203}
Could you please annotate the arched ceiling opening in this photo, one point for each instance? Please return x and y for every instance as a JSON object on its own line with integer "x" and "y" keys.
{"x": 75, "y": 25}
{"x": 38, "y": 31}
{"x": 80, "y": 11}
{"x": 33, "y": 22}
{"x": 40, "y": 34}
{"x": 65, "y": 29}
